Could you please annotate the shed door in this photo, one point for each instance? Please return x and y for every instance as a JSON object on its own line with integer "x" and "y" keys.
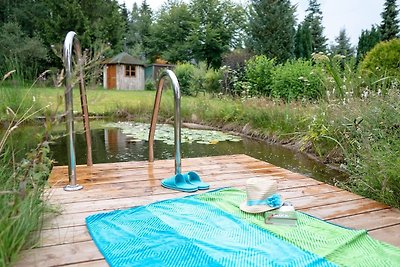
{"x": 111, "y": 77}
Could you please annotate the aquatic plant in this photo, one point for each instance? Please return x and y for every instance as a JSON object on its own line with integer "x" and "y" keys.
{"x": 165, "y": 133}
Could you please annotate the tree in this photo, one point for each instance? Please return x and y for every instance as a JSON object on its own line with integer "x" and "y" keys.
{"x": 390, "y": 24}
{"x": 343, "y": 46}
{"x": 132, "y": 37}
{"x": 271, "y": 28}
{"x": 29, "y": 14}
{"x": 175, "y": 18}
{"x": 314, "y": 21}
{"x": 105, "y": 24}
{"x": 48, "y": 22}
{"x": 217, "y": 27}
{"x": 125, "y": 15}
{"x": 143, "y": 25}
{"x": 20, "y": 52}
{"x": 368, "y": 39}
{"x": 303, "y": 41}
{"x": 94, "y": 22}
{"x": 138, "y": 37}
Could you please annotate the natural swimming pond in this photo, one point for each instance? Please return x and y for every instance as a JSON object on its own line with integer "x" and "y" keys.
{"x": 117, "y": 144}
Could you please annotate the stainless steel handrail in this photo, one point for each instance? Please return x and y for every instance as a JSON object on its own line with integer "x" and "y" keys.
{"x": 177, "y": 117}
{"x": 68, "y": 43}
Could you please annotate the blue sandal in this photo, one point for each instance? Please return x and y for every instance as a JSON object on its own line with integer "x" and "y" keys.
{"x": 178, "y": 182}
{"x": 194, "y": 179}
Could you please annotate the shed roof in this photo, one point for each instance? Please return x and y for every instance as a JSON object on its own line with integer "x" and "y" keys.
{"x": 124, "y": 58}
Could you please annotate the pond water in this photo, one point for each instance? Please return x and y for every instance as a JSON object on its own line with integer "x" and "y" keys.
{"x": 113, "y": 145}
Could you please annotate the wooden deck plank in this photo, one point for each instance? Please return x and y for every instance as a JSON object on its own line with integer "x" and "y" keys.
{"x": 337, "y": 197}
{"x": 389, "y": 234}
{"x": 60, "y": 255}
{"x": 64, "y": 235}
{"x": 128, "y": 189}
{"x": 338, "y": 210}
{"x": 125, "y": 202}
{"x": 116, "y": 168}
{"x": 371, "y": 220}
{"x": 96, "y": 263}
{"x": 159, "y": 174}
{"x": 66, "y": 241}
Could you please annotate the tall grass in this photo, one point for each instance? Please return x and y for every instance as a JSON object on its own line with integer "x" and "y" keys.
{"x": 21, "y": 206}
{"x": 21, "y": 183}
{"x": 370, "y": 132}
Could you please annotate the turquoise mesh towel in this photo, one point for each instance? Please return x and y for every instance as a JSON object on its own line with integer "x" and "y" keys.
{"x": 189, "y": 232}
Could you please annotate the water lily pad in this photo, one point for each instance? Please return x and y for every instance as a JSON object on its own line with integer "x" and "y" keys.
{"x": 165, "y": 133}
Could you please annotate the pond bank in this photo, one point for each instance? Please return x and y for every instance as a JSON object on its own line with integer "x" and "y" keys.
{"x": 253, "y": 134}
{"x": 361, "y": 135}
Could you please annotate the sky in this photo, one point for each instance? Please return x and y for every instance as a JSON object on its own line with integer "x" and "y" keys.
{"x": 352, "y": 15}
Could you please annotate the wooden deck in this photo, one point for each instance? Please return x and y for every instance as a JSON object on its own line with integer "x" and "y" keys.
{"x": 65, "y": 240}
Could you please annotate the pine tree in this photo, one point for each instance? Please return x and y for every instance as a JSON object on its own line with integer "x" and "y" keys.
{"x": 343, "y": 46}
{"x": 144, "y": 24}
{"x": 272, "y": 28}
{"x": 303, "y": 42}
{"x": 367, "y": 40}
{"x": 125, "y": 15}
{"x": 390, "y": 24}
{"x": 314, "y": 21}
{"x": 138, "y": 36}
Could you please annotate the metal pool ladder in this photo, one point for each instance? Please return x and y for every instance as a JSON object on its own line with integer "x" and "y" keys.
{"x": 69, "y": 41}
{"x": 177, "y": 117}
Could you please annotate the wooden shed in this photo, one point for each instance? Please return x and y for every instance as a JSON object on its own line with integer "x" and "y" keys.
{"x": 124, "y": 72}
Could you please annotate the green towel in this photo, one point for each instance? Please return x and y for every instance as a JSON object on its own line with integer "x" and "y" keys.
{"x": 339, "y": 245}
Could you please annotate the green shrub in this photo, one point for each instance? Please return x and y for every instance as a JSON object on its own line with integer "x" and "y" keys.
{"x": 184, "y": 73}
{"x": 297, "y": 79}
{"x": 213, "y": 80}
{"x": 258, "y": 74}
{"x": 150, "y": 85}
{"x": 383, "y": 61}
{"x": 197, "y": 83}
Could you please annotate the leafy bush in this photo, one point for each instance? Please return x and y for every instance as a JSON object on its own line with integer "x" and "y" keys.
{"x": 383, "y": 61}
{"x": 149, "y": 85}
{"x": 194, "y": 79}
{"x": 258, "y": 73}
{"x": 184, "y": 73}
{"x": 233, "y": 72}
{"x": 197, "y": 83}
{"x": 297, "y": 79}
{"x": 213, "y": 80}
